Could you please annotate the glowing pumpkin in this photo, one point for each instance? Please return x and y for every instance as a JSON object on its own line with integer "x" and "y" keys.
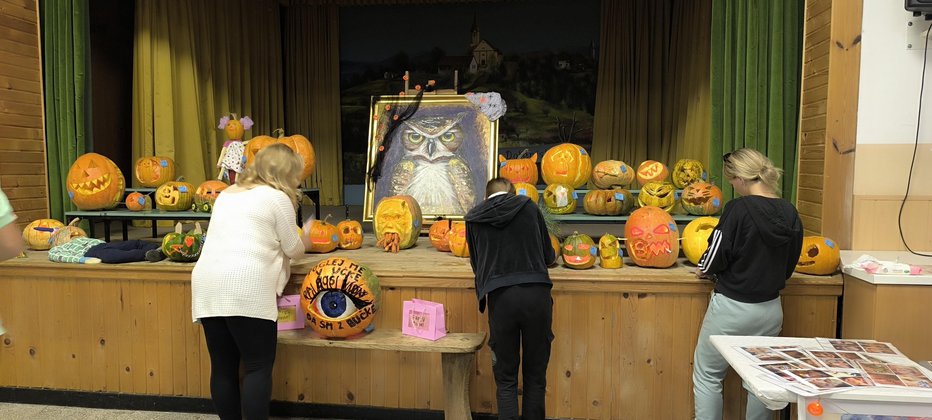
{"x": 658, "y": 194}
{"x": 819, "y": 255}
{"x": 94, "y": 182}
{"x": 183, "y": 247}
{"x": 174, "y": 196}
{"x": 340, "y": 297}
{"x": 687, "y": 171}
{"x": 608, "y": 202}
{"x": 652, "y": 238}
{"x": 610, "y": 252}
{"x": 651, "y": 170}
{"x": 579, "y": 251}
{"x": 566, "y": 163}
{"x": 560, "y": 199}
{"x": 152, "y": 171}
{"x": 518, "y": 170}
{"x": 438, "y": 235}
{"x": 136, "y": 201}
{"x": 324, "y": 237}
{"x": 612, "y": 173}
{"x": 456, "y": 236}
{"x": 350, "y": 232}
{"x": 38, "y": 234}
{"x": 527, "y": 190}
{"x": 696, "y": 237}
{"x": 300, "y": 144}
{"x": 397, "y": 222}
{"x": 206, "y": 194}
{"x": 702, "y": 199}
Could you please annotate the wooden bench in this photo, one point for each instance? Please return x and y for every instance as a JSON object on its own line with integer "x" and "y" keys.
{"x": 457, "y": 352}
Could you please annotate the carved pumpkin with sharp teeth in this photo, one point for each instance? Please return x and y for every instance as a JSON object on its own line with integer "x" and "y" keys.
{"x": 651, "y": 170}
{"x": 350, "y": 232}
{"x": 94, "y": 182}
{"x": 702, "y": 199}
{"x": 152, "y": 171}
{"x": 687, "y": 171}
{"x": 579, "y": 251}
{"x": 612, "y": 173}
{"x": 659, "y": 194}
{"x": 518, "y": 170}
{"x": 560, "y": 198}
{"x": 183, "y": 247}
{"x": 696, "y": 237}
{"x": 652, "y": 238}
{"x": 175, "y": 195}
{"x": 566, "y": 163}
{"x": 819, "y": 255}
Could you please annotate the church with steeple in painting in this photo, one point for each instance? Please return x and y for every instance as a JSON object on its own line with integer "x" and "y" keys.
{"x": 485, "y": 57}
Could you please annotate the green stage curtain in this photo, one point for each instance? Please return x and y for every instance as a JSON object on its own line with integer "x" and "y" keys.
{"x": 312, "y": 75}
{"x": 756, "y": 49}
{"x": 66, "y": 45}
{"x": 653, "y": 97}
{"x": 196, "y": 60}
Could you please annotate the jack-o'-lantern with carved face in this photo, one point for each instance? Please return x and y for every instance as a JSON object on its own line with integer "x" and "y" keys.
{"x": 397, "y": 222}
{"x": 206, "y": 194}
{"x": 38, "y": 234}
{"x": 652, "y": 238}
{"x": 152, "y": 171}
{"x": 323, "y": 236}
{"x": 438, "y": 235}
{"x": 608, "y": 202}
{"x": 350, "y": 232}
{"x": 518, "y": 170}
{"x": 651, "y": 170}
{"x": 687, "y": 171}
{"x": 174, "y": 196}
{"x": 527, "y": 190}
{"x": 702, "y": 199}
{"x": 340, "y": 298}
{"x": 611, "y": 174}
{"x": 560, "y": 198}
{"x": 819, "y": 255}
{"x": 579, "y": 251}
{"x": 567, "y": 164}
{"x": 610, "y": 252}
{"x": 696, "y": 237}
{"x": 456, "y": 237}
{"x": 659, "y": 194}
{"x": 94, "y": 182}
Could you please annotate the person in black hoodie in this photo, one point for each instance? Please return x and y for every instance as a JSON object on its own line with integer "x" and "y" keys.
{"x": 751, "y": 254}
{"x": 509, "y": 250}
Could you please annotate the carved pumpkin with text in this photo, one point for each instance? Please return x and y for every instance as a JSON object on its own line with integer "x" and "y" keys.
{"x": 137, "y": 201}
{"x": 819, "y": 255}
{"x": 566, "y": 163}
{"x": 438, "y": 235}
{"x": 696, "y": 237}
{"x": 608, "y": 202}
{"x": 39, "y": 239}
{"x": 174, "y": 196}
{"x": 152, "y": 171}
{"x": 94, "y": 182}
{"x": 300, "y": 144}
{"x": 658, "y": 194}
{"x": 687, "y": 171}
{"x": 612, "y": 173}
{"x": 702, "y": 199}
{"x": 518, "y": 170}
{"x": 652, "y": 238}
{"x": 457, "y": 239}
{"x": 527, "y": 190}
{"x": 651, "y": 170}
{"x": 340, "y": 297}
{"x": 579, "y": 251}
{"x": 350, "y": 232}
{"x": 610, "y": 252}
{"x": 397, "y": 222}
{"x": 560, "y": 199}
{"x": 179, "y": 246}
{"x": 206, "y": 194}
{"x": 323, "y": 236}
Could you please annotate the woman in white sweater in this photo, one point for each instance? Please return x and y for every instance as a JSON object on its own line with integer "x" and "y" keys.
{"x": 242, "y": 270}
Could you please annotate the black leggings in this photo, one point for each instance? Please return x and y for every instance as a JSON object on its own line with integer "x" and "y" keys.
{"x": 253, "y": 340}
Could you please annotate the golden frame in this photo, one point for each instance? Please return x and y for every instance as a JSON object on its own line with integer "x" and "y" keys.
{"x": 403, "y": 166}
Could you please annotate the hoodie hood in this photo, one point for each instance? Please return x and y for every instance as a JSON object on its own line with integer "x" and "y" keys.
{"x": 774, "y": 218}
{"x": 497, "y": 211}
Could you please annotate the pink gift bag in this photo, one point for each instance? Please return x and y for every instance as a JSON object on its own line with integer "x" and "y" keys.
{"x": 423, "y": 318}
{"x": 290, "y": 314}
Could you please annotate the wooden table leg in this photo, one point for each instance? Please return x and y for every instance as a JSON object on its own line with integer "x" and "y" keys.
{"x": 456, "y": 372}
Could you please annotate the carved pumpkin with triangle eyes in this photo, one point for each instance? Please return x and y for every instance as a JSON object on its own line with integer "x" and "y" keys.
{"x": 560, "y": 198}
{"x": 652, "y": 238}
{"x": 94, "y": 182}
{"x": 612, "y": 173}
{"x": 696, "y": 237}
{"x": 350, "y": 232}
{"x": 610, "y": 252}
{"x": 566, "y": 163}
{"x": 687, "y": 171}
{"x": 457, "y": 239}
{"x": 819, "y": 256}
{"x": 152, "y": 171}
{"x": 579, "y": 251}
{"x": 608, "y": 202}
{"x": 518, "y": 170}
{"x": 651, "y": 170}
{"x": 527, "y": 190}
{"x": 702, "y": 199}
{"x": 340, "y": 297}
{"x": 174, "y": 195}
{"x": 438, "y": 235}
{"x": 659, "y": 194}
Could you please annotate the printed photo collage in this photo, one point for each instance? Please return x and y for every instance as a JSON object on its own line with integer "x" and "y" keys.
{"x": 839, "y": 365}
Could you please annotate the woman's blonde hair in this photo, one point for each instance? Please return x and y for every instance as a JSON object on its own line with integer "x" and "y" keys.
{"x": 751, "y": 165}
{"x": 277, "y": 166}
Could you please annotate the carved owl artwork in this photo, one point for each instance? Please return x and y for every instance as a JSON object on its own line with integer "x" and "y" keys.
{"x": 430, "y": 169}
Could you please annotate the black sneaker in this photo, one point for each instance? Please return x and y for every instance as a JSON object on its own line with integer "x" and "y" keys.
{"x": 154, "y": 255}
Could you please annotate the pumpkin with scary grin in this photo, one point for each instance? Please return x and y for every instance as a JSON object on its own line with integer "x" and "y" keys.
{"x": 652, "y": 238}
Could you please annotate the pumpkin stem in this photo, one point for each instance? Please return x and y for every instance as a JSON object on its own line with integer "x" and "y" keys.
{"x": 178, "y": 227}
{"x": 233, "y": 116}
{"x": 279, "y": 131}
{"x": 75, "y": 221}
{"x": 327, "y": 217}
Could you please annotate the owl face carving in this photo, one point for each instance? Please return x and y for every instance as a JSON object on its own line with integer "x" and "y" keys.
{"x": 433, "y": 138}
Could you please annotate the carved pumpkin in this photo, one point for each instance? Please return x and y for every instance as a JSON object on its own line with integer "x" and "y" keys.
{"x": 350, "y": 232}
{"x": 527, "y": 190}
{"x": 560, "y": 198}
{"x": 651, "y": 170}
{"x": 566, "y": 163}
{"x": 696, "y": 237}
{"x": 608, "y": 202}
{"x": 610, "y": 252}
{"x": 702, "y": 199}
{"x": 658, "y": 194}
{"x": 456, "y": 237}
{"x": 518, "y": 170}
{"x": 206, "y": 194}
{"x": 687, "y": 171}
{"x": 438, "y": 235}
{"x": 652, "y": 238}
{"x": 579, "y": 251}
{"x": 819, "y": 255}
{"x": 324, "y": 237}
{"x": 300, "y": 144}
{"x": 340, "y": 297}
{"x": 555, "y": 243}
{"x": 152, "y": 171}
{"x": 136, "y": 201}
{"x": 95, "y": 182}
{"x": 612, "y": 173}
{"x": 38, "y": 234}
{"x": 397, "y": 222}
{"x": 174, "y": 195}
{"x": 183, "y": 247}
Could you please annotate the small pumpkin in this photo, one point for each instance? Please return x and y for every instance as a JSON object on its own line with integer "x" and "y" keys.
{"x": 651, "y": 170}
{"x": 696, "y": 237}
{"x": 174, "y": 195}
{"x": 340, "y": 297}
{"x": 610, "y": 252}
{"x": 38, "y": 234}
{"x": 94, "y": 182}
{"x": 579, "y": 251}
{"x": 438, "y": 235}
{"x": 206, "y": 194}
{"x": 702, "y": 199}
{"x": 456, "y": 236}
{"x": 152, "y": 171}
{"x": 612, "y": 173}
{"x": 397, "y": 222}
{"x": 659, "y": 194}
{"x": 66, "y": 234}
{"x": 566, "y": 163}
{"x": 652, "y": 238}
{"x": 819, "y": 255}
{"x": 136, "y": 201}
{"x": 608, "y": 202}
{"x": 324, "y": 237}
{"x": 518, "y": 170}
{"x": 560, "y": 198}
{"x": 687, "y": 171}
{"x": 350, "y": 232}
{"x": 527, "y": 190}
{"x": 300, "y": 144}
{"x": 183, "y": 247}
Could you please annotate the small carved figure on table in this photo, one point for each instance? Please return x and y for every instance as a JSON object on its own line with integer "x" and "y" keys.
{"x": 232, "y": 157}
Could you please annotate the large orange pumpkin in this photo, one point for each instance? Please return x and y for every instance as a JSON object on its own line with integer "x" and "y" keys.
{"x": 527, "y": 190}
{"x": 652, "y": 238}
{"x": 608, "y": 202}
{"x": 610, "y": 252}
{"x": 300, "y": 144}
{"x": 94, "y": 182}
{"x": 696, "y": 237}
{"x": 651, "y": 170}
{"x": 136, "y": 201}
{"x": 174, "y": 195}
{"x": 566, "y": 163}
{"x": 457, "y": 239}
{"x": 152, "y": 171}
{"x": 819, "y": 255}
{"x": 612, "y": 173}
{"x": 518, "y": 170}
{"x": 560, "y": 198}
{"x": 687, "y": 171}
{"x": 579, "y": 251}
{"x": 350, "y": 232}
{"x": 702, "y": 199}
{"x": 397, "y": 222}
{"x": 38, "y": 234}
{"x": 207, "y": 193}
{"x": 438, "y": 235}
{"x": 340, "y": 297}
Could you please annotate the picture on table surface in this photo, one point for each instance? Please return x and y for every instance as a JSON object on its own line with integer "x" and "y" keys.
{"x": 878, "y": 368}
{"x": 809, "y": 373}
{"x": 854, "y": 378}
{"x": 877, "y": 347}
{"x": 827, "y": 383}
{"x": 824, "y": 354}
{"x": 904, "y": 370}
{"x": 779, "y": 368}
{"x": 845, "y": 345}
{"x": 838, "y": 364}
{"x": 762, "y": 354}
{"x": 813, "y": 363}
{"x": 882, "y": 379}
{"x": 850, "y": 355}
{"x": 793, "y": 353}
{"x": 917, "y": 382}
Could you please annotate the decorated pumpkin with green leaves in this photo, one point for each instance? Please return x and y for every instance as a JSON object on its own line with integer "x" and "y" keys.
{"x": 179, "y": 246}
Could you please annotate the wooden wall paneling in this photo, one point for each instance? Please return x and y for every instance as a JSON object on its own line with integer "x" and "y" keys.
{"x": 859, "y": 309}
{"x": 561, "y": 357}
